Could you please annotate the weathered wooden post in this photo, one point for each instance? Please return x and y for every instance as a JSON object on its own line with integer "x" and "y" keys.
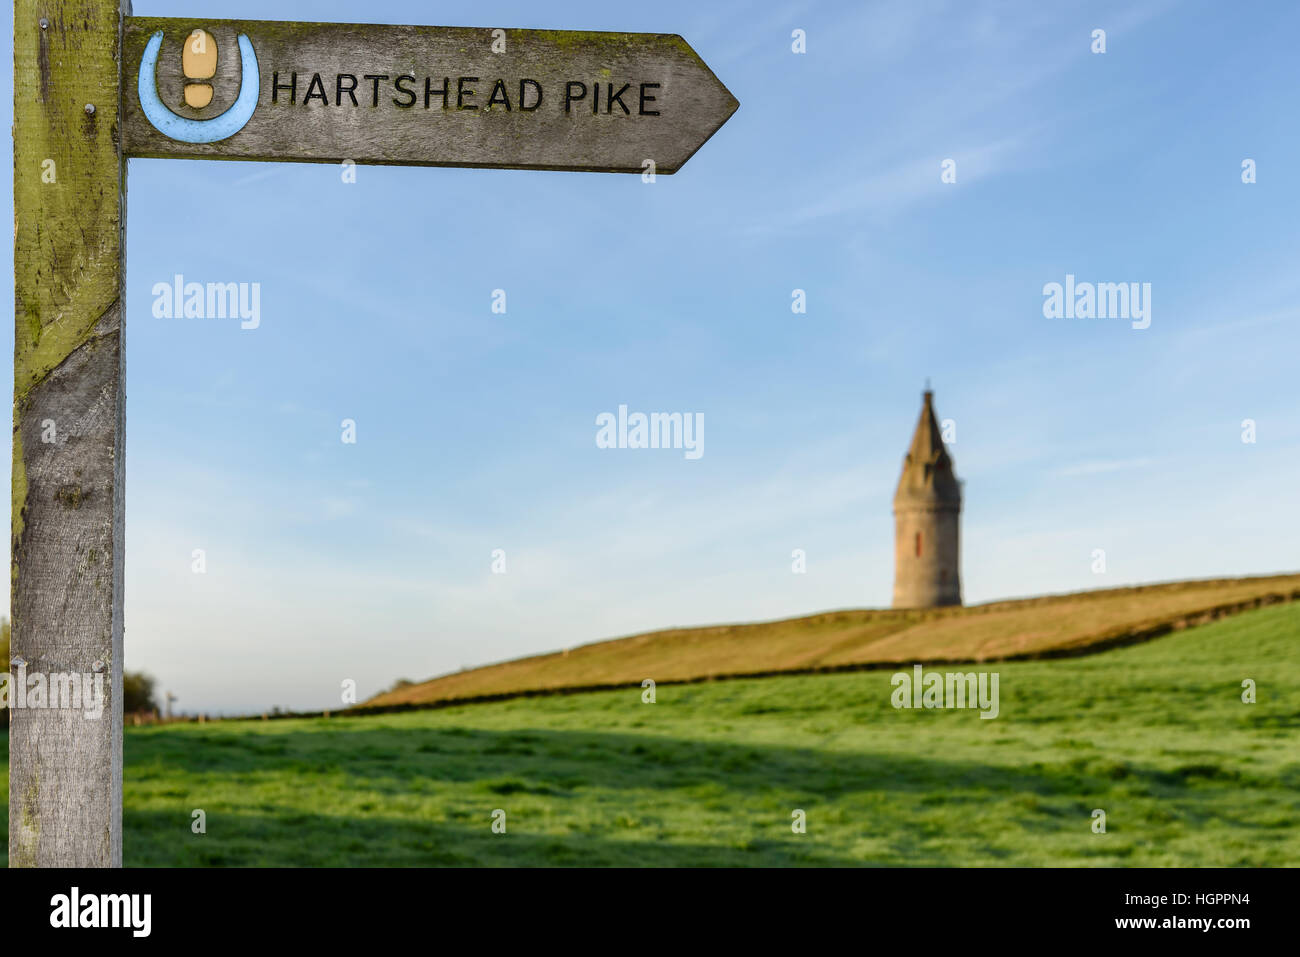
{"x": 65, "y": 769}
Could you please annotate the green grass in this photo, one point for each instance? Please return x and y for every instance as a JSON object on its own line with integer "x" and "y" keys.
{"x": 1156, "y": 735}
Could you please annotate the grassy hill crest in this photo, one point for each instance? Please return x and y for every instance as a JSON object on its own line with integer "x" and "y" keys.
{"x": 1049, "y": 626}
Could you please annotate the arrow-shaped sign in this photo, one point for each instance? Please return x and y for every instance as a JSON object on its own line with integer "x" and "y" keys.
{"x": 422, "y": 96}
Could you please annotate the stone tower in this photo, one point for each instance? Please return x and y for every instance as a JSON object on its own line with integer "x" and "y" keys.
{"x": 927, "y": 518}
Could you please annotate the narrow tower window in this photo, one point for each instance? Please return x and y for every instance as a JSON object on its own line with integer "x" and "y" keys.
{"x": 918, "y": 544}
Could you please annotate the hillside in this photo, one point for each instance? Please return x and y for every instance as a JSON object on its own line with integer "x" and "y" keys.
{"x": 1156, "y": 735}
{"x": 1056, "y": 625}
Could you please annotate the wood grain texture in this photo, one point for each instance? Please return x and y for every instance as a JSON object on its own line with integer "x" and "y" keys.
{"x": 65, "y": 771}
{"x": 460, "y": 130}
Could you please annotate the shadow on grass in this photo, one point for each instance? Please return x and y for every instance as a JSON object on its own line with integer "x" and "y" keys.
{"x": 295, "y": 839}
{"x": 555, "y": 762}
{"x": 413, "y": 796}
{"x": 562, "y": 763}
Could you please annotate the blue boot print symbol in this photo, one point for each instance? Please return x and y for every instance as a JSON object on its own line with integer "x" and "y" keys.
{"x": 199, "y": 131}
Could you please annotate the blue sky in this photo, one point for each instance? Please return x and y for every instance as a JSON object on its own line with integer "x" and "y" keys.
{"x": 476, "y": 431}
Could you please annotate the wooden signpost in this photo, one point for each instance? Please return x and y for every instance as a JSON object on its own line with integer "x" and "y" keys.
{"x": 94, "y": 86}
{"x": 425, "y": 96}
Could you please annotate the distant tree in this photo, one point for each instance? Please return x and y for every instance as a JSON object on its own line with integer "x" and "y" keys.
{"x": 137, "y": 692}
{"x": 401, "y": 683}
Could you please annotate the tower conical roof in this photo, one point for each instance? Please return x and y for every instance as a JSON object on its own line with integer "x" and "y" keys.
{"x": 928, "y": 475}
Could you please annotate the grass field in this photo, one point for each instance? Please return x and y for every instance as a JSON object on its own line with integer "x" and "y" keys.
{"x": 1031, "y": 627}
{"x": 1155, "y": 734}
